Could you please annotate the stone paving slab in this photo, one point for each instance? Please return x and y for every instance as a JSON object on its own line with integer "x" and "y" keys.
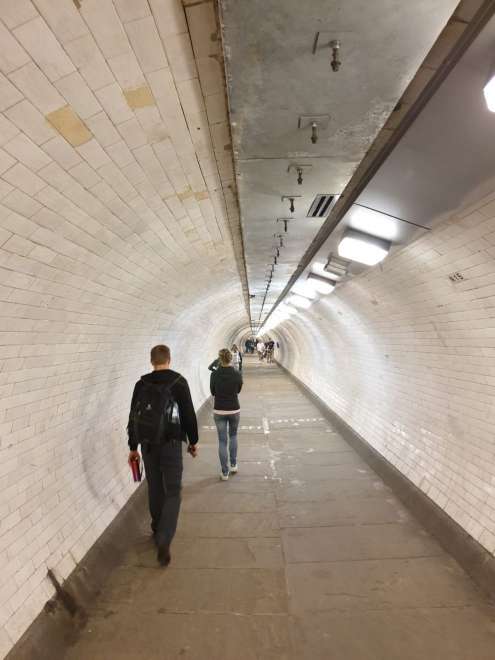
{"x": 379, "y": 584}
{"x": 323, "y": 544}
{"x": 340, "y": 513}
{"x": 294, "y": 472}
{"x": 320, "y": 491}
{"x": 164, "y": 636}
{"x": 198, "y": 590}
{"x": 448, "y": 633}
{"x": 226, "y": 525}
{"x": 235, "y": 503}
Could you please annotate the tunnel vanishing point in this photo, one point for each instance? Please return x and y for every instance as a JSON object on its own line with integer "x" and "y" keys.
{"x": 200, "y": 173}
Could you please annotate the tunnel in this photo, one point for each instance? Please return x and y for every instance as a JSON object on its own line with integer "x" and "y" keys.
{"x": 313, "y": 182}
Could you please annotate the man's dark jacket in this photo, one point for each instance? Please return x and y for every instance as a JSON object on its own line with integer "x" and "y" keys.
{"x": 181, "y": 394}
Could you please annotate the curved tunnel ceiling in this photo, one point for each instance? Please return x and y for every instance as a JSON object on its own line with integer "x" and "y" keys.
{"x": 442, "y": 160}
{"x": 275, "y": 79}
{"x": 445, "y": 155}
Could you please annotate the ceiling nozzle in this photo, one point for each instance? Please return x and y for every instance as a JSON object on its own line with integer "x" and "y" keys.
{"x": 299, "y": 169}
{"x": 314, "y": 132}
{"x": 286, "y": 223}
{"x": 290, "y": 199}
{"x": 315, "y": 123}
{"x": 335, "y": 62}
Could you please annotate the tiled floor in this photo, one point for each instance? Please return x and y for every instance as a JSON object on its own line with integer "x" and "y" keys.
{"x": 303, "y": 554}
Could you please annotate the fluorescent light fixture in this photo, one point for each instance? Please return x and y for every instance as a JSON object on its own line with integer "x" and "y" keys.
{"x": 489, "y": 92}
{"x": 299, "y": 301}
{"x": 369, "y": 220}
{"x": 286, "y": 309}
{"x": 304, "y": 289}
{"x": 319, "y": 269}
{"x": 321, "y": 284}
{"x": 363, "y": 248}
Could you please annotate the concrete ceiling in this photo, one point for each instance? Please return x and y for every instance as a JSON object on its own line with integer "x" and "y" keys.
{"x": 445, "y": 154}
{"x": 274, "y": 78}
{"x": 442, "y": 159}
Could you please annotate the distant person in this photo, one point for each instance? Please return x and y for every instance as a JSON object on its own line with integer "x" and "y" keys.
{"x": 225, "y": 385}
{"x": 247, "y": 346}
{"x": 236, "y": 358}
{"x": 270, "y": 347}
{"x": 161, "y": 417}
{"x": 260, "y": 347}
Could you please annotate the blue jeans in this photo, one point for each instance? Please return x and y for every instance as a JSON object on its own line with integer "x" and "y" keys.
{"x": 227, "y": 430}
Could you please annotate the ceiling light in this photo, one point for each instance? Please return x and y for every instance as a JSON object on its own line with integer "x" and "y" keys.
{"x": 287, "y": 309}
{"x": 371, "y": 221}
{"x": 363, "y": 248}
{"x": 489, "y": 92}
{"x": 304, "y": 289}
{"x": 321, "y": 284}
{"x": 319, "y": 269}
{"x": 299, "y": 301}
{"x": 337, "y": 267}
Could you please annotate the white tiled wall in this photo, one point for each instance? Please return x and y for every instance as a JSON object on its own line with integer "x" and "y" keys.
{"x": 108, "y": 245}
{"x": 407, "y": 358}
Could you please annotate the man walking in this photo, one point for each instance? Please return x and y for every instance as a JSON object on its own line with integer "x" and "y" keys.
{"x": 162, "y": 416}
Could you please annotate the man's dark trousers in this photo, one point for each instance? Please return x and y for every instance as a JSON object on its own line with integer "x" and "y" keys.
{"x": 163, "y": 465}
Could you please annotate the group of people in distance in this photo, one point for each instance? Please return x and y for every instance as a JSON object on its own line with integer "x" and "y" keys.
{"x": 264, "y": 349}
{"x": 162, "y": 417}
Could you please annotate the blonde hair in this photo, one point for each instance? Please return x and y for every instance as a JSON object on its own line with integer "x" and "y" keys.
{"x": 225, "y": 357}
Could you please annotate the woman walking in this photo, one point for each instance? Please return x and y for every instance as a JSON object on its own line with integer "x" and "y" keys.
{"x": 236, "y": 358}
{"x": 225, "y": 385}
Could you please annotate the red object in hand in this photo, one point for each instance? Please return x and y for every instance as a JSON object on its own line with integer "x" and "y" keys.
{"x": 136, "y": 469}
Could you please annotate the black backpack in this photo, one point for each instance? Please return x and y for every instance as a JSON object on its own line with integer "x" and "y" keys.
{"x": 155, "y": 414}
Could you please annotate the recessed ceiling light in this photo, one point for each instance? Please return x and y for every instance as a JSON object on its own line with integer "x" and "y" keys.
{"x": 299, "y": 301}
{"x": 363, "y": 248}
{"x": 489, "y": 92}
{"x": 319, "y": 268}
{"x": 320, "y": 284}
{"x": 369, "y": 220}
{"x": 304, "y": 289}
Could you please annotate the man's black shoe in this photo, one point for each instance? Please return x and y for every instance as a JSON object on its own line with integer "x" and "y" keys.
{"x": 163, "y": 555}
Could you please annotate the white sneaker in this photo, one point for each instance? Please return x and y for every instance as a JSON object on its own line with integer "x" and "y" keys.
{"x": 234, "y": 469}
{"x": 224, "y": 477}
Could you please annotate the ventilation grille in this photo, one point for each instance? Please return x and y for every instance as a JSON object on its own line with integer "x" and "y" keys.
{"x": 320, "y": 206}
